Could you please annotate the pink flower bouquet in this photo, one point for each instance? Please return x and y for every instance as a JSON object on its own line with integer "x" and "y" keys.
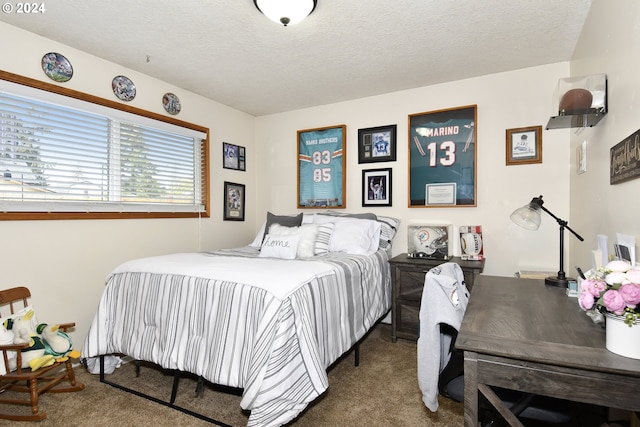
{"x": 613, "y": 289}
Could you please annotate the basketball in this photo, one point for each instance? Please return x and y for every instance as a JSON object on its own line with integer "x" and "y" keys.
{"x": 575, "y": 99}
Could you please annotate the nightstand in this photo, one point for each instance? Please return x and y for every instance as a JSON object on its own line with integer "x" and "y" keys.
{"x": 407, "y": 275}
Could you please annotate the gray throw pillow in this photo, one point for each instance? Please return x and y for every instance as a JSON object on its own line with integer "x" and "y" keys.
{"x": 286, "y": 221}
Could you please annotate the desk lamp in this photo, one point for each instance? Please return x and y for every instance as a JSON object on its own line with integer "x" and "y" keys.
{"x": 528, "y": 217}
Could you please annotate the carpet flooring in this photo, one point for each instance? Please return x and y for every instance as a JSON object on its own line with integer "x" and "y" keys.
{"x": 382, "y": 391}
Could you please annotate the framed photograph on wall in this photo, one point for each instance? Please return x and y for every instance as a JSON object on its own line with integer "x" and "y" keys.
{"x": 376, "y": 187}
{"x": 322, "y": 167}
{"x": 442, "y": 158}
{"x": 524, "y": 145}
{"x": 233, "y": 157}
{"x": 377, "y": 144}
{"x": 233, "y": 201}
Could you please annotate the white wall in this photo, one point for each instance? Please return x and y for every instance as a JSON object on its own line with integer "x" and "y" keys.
{"x": 507, "y": 100}
{"x": 609, "y": 44}
{"x": 65, "y": 263}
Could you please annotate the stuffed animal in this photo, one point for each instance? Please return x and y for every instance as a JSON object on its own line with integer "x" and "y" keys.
{"x": 33, "y": 356}
{"x": 56, "y": 342}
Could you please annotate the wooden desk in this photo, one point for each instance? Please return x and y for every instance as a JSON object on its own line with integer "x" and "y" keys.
{"x": 521, "y": 334}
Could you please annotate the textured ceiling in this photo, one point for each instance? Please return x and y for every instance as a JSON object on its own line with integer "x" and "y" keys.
{"x": 226, "y": 50}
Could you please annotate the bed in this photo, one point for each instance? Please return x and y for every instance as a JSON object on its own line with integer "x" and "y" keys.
{"x": 269, "y": 324}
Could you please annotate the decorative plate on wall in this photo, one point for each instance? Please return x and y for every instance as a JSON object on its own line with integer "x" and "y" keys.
{"x": 123, "y": 88}
{"x": 57, "y": 67}
{"x": 171, "y": 103}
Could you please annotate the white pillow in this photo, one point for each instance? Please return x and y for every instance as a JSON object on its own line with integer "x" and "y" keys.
{"x": 307, "y": 234}
{"x": 283, "y": 247}
{"x": 355, "y": 236}
{"x": 257, "y": 241}
{"x": 388, "y": 225}
{"x": 351, "y": 235}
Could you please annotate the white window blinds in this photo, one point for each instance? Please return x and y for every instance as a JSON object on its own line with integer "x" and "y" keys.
{"x": 61, "y": 154}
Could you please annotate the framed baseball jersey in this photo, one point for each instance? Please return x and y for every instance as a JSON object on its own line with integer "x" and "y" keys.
{"x": 442, "y": 158}
{"x": 322, "y": 167}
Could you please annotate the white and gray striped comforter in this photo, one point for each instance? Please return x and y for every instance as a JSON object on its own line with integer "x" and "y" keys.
{"x": 276, "y": 345}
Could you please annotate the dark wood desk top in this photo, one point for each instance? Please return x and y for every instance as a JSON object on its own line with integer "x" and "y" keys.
{"x": 526, "y": 320}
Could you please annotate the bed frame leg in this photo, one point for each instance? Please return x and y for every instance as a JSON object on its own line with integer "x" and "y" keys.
{"x": 174, "y": 389}
{"x": 200, "y": 387}
{"x": 102, "y": 368}
{"x": 357, "y": 354}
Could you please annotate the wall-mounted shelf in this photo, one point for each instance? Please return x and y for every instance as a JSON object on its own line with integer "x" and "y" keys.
{"x": 581, "y": 102}
{"x": 582, "y": 119}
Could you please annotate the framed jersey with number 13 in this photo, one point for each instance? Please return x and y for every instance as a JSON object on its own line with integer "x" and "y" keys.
{"x": 442, "y": 158}
{"x": 322, "y": 167}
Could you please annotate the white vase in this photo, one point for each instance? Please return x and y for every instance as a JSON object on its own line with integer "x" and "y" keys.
{"x": 622, "y": 339}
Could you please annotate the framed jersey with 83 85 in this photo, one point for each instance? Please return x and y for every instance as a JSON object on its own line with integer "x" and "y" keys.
{"x": 322, "y": 167}
{"x": 442, "y": 158}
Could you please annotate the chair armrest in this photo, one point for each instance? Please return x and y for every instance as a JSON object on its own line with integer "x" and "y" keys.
{"x": 14, "y": 347}
{"x": 4, "y": 348}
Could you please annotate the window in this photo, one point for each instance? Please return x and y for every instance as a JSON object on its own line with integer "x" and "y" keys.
{"x": 65, "y": 155}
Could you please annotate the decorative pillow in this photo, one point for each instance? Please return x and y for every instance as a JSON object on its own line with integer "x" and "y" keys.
{"x": 287, "y": 221}
{"x": 257, "y": 241}
{"x": 307, "y": 234}
{"x": 388, "y": 229}
{"x": 323, "y": 238}
{"x": 283, "y": 247}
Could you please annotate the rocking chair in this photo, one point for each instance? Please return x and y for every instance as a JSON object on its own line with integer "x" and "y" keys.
{"x": 26, "y": 380}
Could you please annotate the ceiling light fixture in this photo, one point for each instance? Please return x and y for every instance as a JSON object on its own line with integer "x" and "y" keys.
{"x": 286, "y": 12}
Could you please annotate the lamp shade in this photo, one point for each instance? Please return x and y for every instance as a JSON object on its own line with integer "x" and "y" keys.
{"x": 286, "y": 12}
{"x": 527, "y": 216}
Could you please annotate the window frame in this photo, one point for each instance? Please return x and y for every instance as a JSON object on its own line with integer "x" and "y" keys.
{"x": 48, "y": 87}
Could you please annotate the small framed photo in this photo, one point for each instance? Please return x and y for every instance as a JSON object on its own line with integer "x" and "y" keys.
{"x": 233, "y": 157}
{"x": 377, "y": 144}
{"x": 376, "y": 187}
{"x": 233, "y": 201}
{"x": 524, "y": 145}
